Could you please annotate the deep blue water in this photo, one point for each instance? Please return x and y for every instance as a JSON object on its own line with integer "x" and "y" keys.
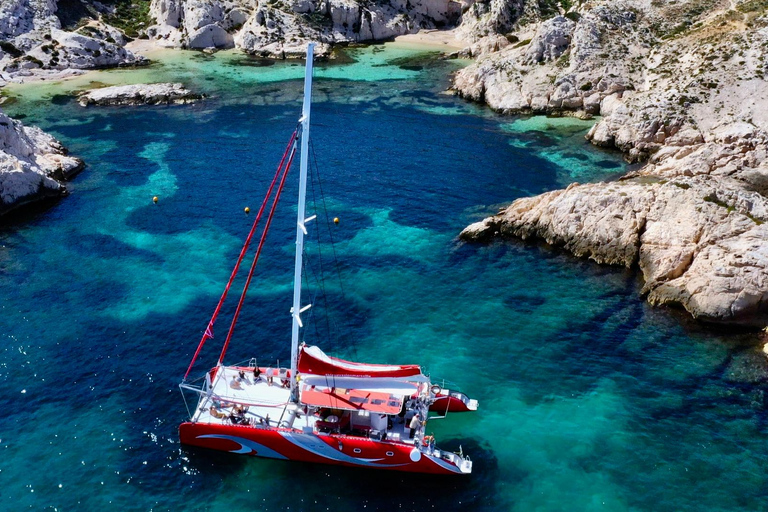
{"x": 589, "y": 398}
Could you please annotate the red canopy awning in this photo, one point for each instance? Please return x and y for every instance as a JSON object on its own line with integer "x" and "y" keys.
{"x": 351, "y": 399}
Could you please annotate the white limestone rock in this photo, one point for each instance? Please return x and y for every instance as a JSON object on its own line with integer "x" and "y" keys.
{"x": 139, "y": 94}
{"x": 282, "y": 29}
{"x": 32, "y": 165}
{"x": 692, "y": 220}
{"x": 79, "y": 51}
{"x": 552, "y": 39}
{"x": 210, "y": 36}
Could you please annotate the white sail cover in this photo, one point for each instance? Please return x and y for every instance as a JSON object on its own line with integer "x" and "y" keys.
{"x": 392, "y": 386}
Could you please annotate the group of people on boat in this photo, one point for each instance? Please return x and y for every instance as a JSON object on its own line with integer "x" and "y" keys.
{"x": 236, "y": 414}
{"x": 269, "y": 376}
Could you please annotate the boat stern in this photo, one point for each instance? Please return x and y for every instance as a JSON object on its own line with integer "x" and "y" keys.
{"x": 452, "y": 401}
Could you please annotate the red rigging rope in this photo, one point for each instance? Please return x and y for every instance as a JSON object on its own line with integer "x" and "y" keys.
{"x": 209, "y": 329}
{"x": 256, "y": 256}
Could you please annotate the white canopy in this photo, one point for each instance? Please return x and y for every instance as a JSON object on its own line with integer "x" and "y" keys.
{"x": 393, "y": 386}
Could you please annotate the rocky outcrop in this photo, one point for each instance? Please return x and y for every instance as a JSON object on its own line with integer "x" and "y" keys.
{"x": 33, "y": 165}
{"x": 554, "y": 66}
{"x": 33, "y": 44}
{"x": 139, "y": 94}
{"x": 280, "y": 28}
{"x": 693, "y": 220}
{"x": 682, "y": 86}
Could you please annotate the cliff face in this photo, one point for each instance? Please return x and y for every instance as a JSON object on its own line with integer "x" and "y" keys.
{"x": 33, "y": 165}
{"x": 39, "y": 37}
{"x": 681, "y": 84}
{"x": 32, "y": 42}
{"x": 282, "y": 28}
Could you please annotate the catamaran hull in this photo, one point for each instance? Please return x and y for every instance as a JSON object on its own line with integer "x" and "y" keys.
{"x": 286, "y": 444}
{"x": 452, "y": 402}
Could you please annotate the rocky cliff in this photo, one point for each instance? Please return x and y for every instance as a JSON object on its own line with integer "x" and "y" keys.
{"x": 32, "y": 42}
{"x": 44, "y": 38}
{"x": 680, "y": 84}
{"x": 282, "y": 28}
{"x": 33, "y": 165}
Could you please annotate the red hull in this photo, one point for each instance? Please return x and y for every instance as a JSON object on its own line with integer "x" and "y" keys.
{"x": 287, "y": 444}
{"x": 455, "y": 402}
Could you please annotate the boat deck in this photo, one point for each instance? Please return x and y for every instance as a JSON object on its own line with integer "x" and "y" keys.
{"x": 269, "y": 405}
{"x": 266, "y": 403}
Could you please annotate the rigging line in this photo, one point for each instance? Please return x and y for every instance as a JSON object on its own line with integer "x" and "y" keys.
{"x": 258, "y": 253}
{"x": 321, "y": 280}
{"x": 333, "y": 245}
{"x": 209, "y": 329}
{"x": 327, "y": 220}
{"x": 325, "y": 303}
{"x": 313, "y": 296}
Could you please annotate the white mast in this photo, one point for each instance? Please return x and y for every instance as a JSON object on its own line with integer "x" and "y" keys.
{"x": 296, "y": 310}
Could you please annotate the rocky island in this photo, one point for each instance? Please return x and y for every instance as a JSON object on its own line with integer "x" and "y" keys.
{"x": 139, "y": 94}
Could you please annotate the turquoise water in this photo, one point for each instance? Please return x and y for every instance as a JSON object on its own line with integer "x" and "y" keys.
{"x": 589, "y": 398}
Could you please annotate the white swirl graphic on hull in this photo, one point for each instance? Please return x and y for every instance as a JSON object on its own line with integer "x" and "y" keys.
{"x": 446, "y": 465}
{"x": 247, "y": 446}
{"x": 314, "y": 444}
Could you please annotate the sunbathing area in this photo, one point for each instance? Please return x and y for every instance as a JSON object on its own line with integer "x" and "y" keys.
{"x": 261, "y": 397}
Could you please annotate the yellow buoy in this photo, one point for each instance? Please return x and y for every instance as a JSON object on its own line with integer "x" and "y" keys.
{"x": 247, "y": 210}
{"x": 335, "y": 220}
{"x": 154, "y": 199}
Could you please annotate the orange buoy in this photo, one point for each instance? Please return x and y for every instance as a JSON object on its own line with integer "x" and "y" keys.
{"x": 247, "y": 210}
{"x": 335, "y": 220}
{"x": 154, "y": 199}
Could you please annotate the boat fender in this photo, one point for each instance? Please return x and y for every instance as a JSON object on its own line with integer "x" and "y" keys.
{"x": 415, "y": 455}
{"x": 436, "y": 389}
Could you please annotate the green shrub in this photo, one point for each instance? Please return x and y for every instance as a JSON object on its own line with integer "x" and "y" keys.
{"x": 10, "y": 49}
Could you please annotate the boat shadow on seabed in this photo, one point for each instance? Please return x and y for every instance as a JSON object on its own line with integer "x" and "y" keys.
{"x": 346, "y": 488}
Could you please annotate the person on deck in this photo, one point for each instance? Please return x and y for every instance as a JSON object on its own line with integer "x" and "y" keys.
{"x": 235, "y": 384}
{"x": 414, "y": 425}
{"x": 216, "y": 413}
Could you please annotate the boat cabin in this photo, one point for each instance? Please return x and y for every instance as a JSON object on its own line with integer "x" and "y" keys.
{"x": 377, "y": 408}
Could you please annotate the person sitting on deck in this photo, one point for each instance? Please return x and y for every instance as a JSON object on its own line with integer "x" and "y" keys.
{"x": 242, "y": 377}
{"x": 269, "y": 376}
{"x": 235, "y": 384}
{"x": 284, "y": 382}
{"x": 256, "y": 375}
{"x": 237, "y": 417}
{"x": 216, "y": 413}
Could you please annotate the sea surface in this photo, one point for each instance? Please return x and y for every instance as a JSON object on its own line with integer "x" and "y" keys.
{"x": 589, "y": 398}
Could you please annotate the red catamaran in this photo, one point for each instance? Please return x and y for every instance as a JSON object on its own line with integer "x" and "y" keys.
{"x": 321, "y": 409}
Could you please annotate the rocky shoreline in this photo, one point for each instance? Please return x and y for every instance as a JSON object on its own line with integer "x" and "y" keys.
{"x": 139, "y": 94}
{"x": 690, "y": 99}
{"x": 681, "y": 85}
{"x": 33, "y": 165}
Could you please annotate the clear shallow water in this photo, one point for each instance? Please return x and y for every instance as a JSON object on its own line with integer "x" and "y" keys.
{"x": 589, "y": 398}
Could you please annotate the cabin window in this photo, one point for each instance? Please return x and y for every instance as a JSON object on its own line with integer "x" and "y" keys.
{"x": 358, "y": 450}
{"x": 390, "y": 454}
